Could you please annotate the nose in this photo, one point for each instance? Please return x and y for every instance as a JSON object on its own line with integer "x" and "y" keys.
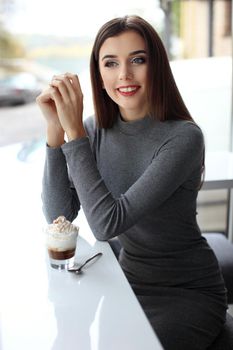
{"x": 125, "y": 73}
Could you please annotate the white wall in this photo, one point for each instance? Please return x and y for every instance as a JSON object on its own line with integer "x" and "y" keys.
{"x": 205, "y": 85}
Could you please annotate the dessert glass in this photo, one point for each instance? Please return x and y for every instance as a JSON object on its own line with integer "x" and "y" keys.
{"x": 61, "y": 239}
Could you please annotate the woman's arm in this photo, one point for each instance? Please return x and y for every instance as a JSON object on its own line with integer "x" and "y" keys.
{"x": 59, "y": 196}
{"x": 62, "y": 106}
{"x": 173, "y": 164}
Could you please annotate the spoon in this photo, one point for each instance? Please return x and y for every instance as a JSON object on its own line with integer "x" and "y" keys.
{"x": 78, "y": 269}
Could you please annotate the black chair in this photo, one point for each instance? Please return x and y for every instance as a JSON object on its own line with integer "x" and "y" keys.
{"x": 223, "y": 249}
{"x": 224, "y": 340}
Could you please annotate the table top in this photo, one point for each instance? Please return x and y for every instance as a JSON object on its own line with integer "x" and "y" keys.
{"x": 44, "y": 308}
{"x": 218, "y": 171}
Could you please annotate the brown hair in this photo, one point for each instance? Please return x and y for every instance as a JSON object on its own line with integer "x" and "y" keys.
{"x": 164, "y": 99}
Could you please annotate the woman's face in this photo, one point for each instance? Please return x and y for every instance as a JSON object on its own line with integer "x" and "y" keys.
{"x": 123, "y": 69}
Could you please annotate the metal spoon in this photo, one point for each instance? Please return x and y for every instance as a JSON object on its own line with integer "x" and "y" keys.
{"x": 78, "y": 270}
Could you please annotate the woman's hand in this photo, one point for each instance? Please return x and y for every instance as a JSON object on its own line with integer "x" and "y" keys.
{"x": 55, "y": 132}
{"x": 68, "y": 98}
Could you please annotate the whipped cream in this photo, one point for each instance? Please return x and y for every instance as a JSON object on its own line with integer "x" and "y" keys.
{"x": 61, "y": 235}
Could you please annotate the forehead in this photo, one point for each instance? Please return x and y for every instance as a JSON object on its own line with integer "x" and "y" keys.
{"x": 123, "y": 43}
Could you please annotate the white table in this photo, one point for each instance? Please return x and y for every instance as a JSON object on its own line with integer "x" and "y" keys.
{"x": 46, "y": 309}
{"x": 43, "y": 308}
{"x": 219, "y": 175}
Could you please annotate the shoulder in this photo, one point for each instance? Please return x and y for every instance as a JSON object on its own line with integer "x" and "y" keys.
{"x": 185, "y": 131}
{"x": 184, "y": 140}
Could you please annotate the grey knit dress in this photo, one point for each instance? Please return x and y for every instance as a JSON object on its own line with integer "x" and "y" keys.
{"x": 139, "y": 181}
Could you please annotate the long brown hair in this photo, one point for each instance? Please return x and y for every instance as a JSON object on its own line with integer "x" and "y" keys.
{"x": 164, "y": 99}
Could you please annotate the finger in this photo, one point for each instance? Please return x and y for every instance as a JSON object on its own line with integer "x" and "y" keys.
{"x": 56, "y": 96}
{"x": 75, "y": 83}
{"x": 72, "y": 84}
{"x": 70, "y": 87}
{"x": 61, "y": 86}
{"x": 45, "y": 96}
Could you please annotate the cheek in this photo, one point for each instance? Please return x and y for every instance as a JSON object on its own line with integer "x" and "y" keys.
{"x": 143, "y": 74}
{"x": 107, "y": 82}
{"x": 104, "y": 80}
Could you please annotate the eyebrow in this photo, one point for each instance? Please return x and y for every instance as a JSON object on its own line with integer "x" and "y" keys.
{"x": 130, "y": 54}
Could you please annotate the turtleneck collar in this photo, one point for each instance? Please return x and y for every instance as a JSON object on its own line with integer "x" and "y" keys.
{"x": 135, "y": 126}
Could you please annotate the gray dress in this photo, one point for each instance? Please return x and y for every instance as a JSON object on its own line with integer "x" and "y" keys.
{"x": 139, "y": 181}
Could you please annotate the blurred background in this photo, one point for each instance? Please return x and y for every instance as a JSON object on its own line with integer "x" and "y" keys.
{"x": 41, "y": 38}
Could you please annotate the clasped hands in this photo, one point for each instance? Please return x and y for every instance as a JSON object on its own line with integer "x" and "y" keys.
{"x": 62, "y": 106}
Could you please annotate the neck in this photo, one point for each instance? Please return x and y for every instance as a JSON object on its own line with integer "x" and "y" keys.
{"x": 129, "y": 117}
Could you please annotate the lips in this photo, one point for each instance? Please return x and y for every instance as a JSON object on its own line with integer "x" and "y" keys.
{"x": 128, "y": 90}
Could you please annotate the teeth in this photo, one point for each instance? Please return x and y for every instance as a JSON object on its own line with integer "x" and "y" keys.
{"x": 127, "y": 89}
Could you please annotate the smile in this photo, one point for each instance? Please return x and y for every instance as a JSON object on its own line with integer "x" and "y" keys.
{"x": 128, "y": 90}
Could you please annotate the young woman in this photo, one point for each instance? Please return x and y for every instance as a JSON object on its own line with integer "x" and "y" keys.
{"x": 136, "y": 168}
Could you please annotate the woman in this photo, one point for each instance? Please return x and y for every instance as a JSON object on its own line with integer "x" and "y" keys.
{"x": 136, "y": 170}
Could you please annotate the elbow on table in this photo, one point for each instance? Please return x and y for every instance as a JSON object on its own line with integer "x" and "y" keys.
{"x": 110, "y": 223}
{"x": 101, "y": 239}
{"x": 104, "y": 233}
{"x": 52, "y": 214}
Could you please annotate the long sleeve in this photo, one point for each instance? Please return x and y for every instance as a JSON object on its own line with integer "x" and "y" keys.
{"x": 178, "y": 160}
{"x": 59, "y": 197}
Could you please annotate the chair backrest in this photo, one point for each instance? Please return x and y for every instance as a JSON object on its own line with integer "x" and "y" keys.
{"x": 223, "y": 250}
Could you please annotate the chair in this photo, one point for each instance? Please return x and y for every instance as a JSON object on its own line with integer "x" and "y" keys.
{"x": 223, "y": 250}
{"x": 224, "y": 340}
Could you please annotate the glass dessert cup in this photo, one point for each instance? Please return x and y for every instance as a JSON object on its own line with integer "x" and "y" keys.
{"x": 61, "y": 260}
{"x": 61, "y": 241}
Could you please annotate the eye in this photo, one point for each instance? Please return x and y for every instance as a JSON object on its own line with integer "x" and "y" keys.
{"x": 110, "y": 64}
{"x": 138, "y": 60}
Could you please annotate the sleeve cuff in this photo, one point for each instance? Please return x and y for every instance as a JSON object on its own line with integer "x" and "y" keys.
{"x": 75, "y": 143}
{"x": 54, "y": 152}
